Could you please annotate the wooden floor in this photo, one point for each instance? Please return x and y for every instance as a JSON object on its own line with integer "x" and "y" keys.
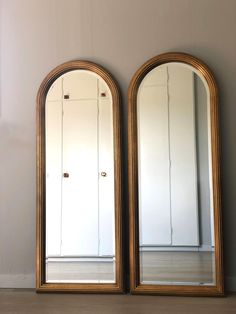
{"x": 177, "y": 267}
{"x": 80, "y": 271}
{"x": 28, "y": 302}
{"x": 156, "y": 267}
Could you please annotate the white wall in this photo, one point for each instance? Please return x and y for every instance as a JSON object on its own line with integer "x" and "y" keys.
{"x": 204, "y": 191}
{"x": 37, "y": 35}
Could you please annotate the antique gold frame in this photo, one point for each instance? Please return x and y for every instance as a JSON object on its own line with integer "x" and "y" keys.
{"x": 41, "y": 285}
{"x": 135, "y": 285}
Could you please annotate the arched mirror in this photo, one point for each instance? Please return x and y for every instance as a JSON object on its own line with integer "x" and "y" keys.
{"x": 175, "y": 220}
{"x": 79, "y": 181}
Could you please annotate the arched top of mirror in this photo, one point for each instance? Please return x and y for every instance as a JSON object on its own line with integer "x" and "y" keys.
{"x": 161, "y": 72}
{"x": 191, "y": 62}
{"x": 89, "y": 81}
{"x": 76, "y": 66}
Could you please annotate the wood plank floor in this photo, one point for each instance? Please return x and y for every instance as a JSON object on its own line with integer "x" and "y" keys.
{"x": 165, "y": 267}
{"x": 80, "y": 271}
{"x": 19, "y": 301}
{"x": 185, "y": 267}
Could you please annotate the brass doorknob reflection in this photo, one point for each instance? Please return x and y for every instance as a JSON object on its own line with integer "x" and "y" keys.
{"x": 103, "y": 174}
{"x": 66, "y": 175}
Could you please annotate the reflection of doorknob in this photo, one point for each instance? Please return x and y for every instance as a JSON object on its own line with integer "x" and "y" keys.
{"x": 66, "y": 175}
{"x": 103, "y": 174}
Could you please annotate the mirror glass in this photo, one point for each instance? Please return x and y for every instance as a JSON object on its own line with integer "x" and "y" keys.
{"x": 80, "y": 222}
{"x": 176, "y": 224}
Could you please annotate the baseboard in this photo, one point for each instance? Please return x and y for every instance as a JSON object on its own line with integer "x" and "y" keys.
{"x": 17, "y": 281}
{"x": 202, "y": 248}
{"x": 79, "y": 259}
{"x": 230, "y": 283}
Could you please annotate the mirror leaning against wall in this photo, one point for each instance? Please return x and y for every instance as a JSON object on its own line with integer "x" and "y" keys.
{"x": 79, "y": 181}
{"x": 174, "y": 189}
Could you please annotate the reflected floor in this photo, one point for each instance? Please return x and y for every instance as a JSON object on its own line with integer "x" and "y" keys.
{"x": 177, "y": 267}
{"x": 80, "y": 271}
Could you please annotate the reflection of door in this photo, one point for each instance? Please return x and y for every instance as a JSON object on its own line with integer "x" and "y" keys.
{"x": 167, "y": 159}
{"x": 106, "y": 184}
{"x": 153, "y": 152}
{"x": 80, "y": 189}
{"x": 84, "y": 200}
{"x": 183, "y": 172}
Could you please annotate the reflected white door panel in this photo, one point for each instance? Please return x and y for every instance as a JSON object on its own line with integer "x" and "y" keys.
{"x": 80, "y": 189}
{"x": 80, "y": 85}
{"x": 53, "y": 177}
{"x": 53, "y": 134}
{"x": 153, "y": 152}
{"x": 167, "y": 177}
{"x": 184, "y": 207}
{"x": 106, "y": 174}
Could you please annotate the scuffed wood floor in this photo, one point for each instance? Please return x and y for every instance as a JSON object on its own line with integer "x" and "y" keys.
{"x": 27, "y": 301}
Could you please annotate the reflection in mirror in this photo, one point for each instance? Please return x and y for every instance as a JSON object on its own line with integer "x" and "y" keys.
{"x": 176, "y": 226}
{"x": 80, "y": 213}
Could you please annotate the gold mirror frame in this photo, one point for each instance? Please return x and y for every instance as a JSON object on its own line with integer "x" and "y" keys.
{"x": 135, "y": 285}
{"x": 41, "y": 285}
